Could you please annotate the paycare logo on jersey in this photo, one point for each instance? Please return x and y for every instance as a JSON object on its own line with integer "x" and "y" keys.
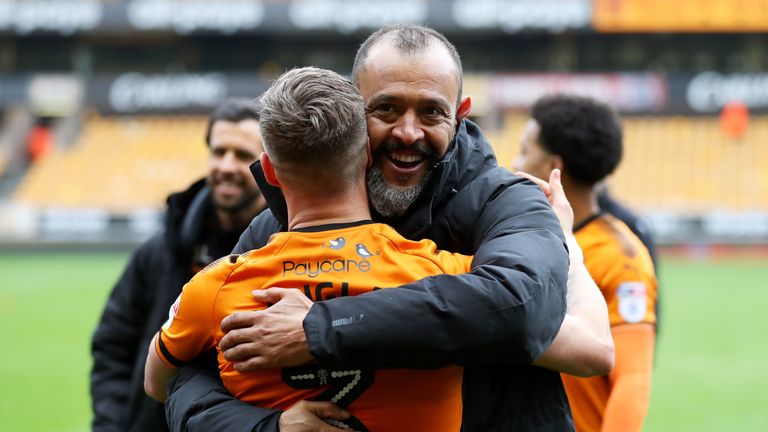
{"x": 314, "y": 269}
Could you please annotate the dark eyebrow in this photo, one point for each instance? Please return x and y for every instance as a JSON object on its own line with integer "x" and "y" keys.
{"x": 442, "y": 103}
{"x": 382, "y": 99}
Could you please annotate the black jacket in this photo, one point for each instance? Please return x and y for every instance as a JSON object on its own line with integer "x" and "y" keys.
{"x": 495, "y": 320}
{"x": 137, "y": 307}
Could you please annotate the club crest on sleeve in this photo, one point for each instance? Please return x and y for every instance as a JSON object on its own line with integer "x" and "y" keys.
{"x": 633, "y": 301}
{"x": 172, "y": 312}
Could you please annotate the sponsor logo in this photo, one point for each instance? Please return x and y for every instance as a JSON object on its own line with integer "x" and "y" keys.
{"x": 316, "y": 268}
{"x": 335, "y": 244}
{"x": 513, "y": 16}
{"x": 172, "y": 313}
{"x": 187, "y": 16}
{"x": 346, "y": 321}
{"x": 633, "y": 301}
{"x": 348, "y": 16}
{"x": 710, "y": 91}
{"x": 363, "y": 251}
{"x": 133, "y": 91}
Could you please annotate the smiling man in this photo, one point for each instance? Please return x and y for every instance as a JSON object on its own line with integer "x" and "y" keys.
{"x": 411, "y": 119}
{"x": 202, "y": 224}
{"x": 434, "y": 176}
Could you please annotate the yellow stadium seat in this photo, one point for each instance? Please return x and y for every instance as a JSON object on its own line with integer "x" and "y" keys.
{"x": 678, "y": 163}
{"x": 120, "y": 164}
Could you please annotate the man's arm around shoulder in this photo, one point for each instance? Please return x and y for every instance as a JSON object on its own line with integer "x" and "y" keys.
{"x": 507, "y": 310}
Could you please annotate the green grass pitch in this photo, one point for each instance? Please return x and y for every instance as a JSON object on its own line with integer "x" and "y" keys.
{"x": 711, "y": 372}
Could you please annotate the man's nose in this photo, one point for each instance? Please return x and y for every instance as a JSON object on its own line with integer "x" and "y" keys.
{"x": 408, "y": 129}
{"x": 228, "y": 162}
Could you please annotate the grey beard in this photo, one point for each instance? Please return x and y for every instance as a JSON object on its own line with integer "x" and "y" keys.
{"x": 388, "y": 200}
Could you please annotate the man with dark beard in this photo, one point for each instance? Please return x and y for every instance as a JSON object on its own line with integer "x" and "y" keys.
{"x": 202, "y": 224}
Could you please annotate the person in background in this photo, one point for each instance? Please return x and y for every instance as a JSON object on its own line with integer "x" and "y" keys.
{"x": 610, "y": 205}
{"x": 202, "y": 224}
{"x": 583, "y": 138}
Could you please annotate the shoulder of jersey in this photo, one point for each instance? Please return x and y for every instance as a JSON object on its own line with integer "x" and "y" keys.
{"x": 224, "y": 265}
{"x": 403, "y": 244}
{"x": 611, "y": 234}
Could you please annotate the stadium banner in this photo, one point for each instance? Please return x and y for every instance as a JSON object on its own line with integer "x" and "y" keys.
{"x": 13, "y": 89}
{"x": 135, "y": 92}
{"x": 708, "y": 92}
{"x": 694, "y": 16}
{"x": 703, "y": 93}
{"x": 627, "y": 92}
{"x": 227, "y": 17}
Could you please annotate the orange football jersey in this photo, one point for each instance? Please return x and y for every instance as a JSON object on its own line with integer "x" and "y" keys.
{"x": 622, "y": 268}
{"x": 325, "y": 263}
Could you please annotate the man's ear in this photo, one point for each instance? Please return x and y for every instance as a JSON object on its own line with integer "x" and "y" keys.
{"x": 464, "y": 108}
{"x": 368, "y": 154}
{"x": 269, "y": 170}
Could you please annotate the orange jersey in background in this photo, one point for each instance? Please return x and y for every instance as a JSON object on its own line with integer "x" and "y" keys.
{"x": 325, "y": 264}
{"x": 622, "y": 268}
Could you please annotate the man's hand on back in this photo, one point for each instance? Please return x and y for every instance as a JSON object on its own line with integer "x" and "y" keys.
{"x": 271, "y": 337}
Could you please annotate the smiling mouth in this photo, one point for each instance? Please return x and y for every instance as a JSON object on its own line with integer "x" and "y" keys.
{"x": 405, "y": 160}
{"x": 228, "y": 186}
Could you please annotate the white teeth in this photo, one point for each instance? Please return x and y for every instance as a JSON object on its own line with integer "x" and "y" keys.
{"x": 407, "y": 158}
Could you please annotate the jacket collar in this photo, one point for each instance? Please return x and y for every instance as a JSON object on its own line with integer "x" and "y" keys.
{"x": 186, "y": 217}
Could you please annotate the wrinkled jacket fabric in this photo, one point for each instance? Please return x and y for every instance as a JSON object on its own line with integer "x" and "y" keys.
{"x": 135, "y": 310}
{"x": 494, "y": 320}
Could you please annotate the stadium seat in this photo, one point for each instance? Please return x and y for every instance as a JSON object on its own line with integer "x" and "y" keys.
{"x": 120, "y": 164}
{"x": 683, "y": 164}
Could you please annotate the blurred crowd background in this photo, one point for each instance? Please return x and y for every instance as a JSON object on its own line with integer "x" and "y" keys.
{"x": 104, "y": 102}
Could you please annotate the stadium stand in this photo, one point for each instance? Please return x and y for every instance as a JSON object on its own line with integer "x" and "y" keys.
{"x": 119, "y": 164}
{"x": 122, "y": 164}
{"x": 678, "y": 163}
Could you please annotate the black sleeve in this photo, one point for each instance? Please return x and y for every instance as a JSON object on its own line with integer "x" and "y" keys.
{"x": 198, "y": 401}
{"x": 258, "y": 232}
{"x": 115, "y": 341}
{"x": 507, "y": 310}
